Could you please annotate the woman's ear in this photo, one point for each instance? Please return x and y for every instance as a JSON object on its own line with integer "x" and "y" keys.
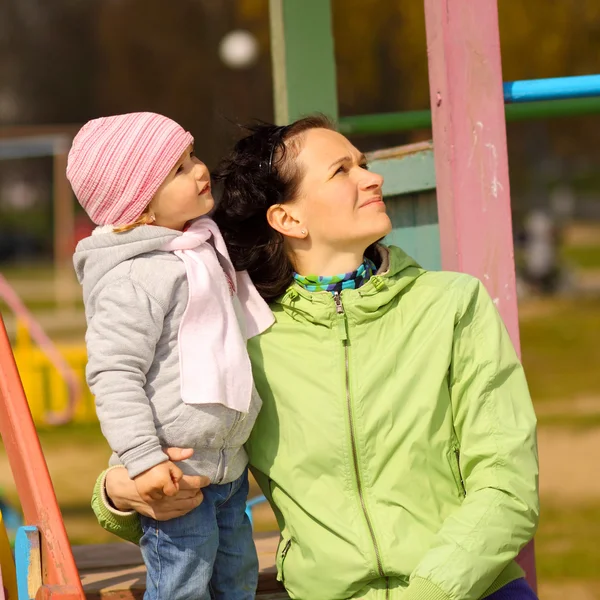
{"x": 283, "y": 218}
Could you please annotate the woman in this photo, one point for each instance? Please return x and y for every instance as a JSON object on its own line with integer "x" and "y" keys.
{"x": 396, "y": 442}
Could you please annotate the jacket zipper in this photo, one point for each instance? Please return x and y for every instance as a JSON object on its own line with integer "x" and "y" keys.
{"x": 236, "y": 421}
{"x": 459, "y": 472}
{"x": 284, "y": 552}
{"x": 221, "y": 466}
{"x": 342, "y": 327}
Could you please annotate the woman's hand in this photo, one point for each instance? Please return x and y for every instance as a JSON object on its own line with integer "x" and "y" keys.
{"x": 123, "y": 494}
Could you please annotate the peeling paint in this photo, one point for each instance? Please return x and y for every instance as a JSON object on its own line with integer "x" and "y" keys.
{"x": 495, "y": 186}
{"x": 478, "y": 127}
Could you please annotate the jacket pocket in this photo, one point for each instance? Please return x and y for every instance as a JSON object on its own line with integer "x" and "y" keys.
{"x": 198, "y": 426}
{"x": 454, "y": 460}
{"x": 285, "y": 543}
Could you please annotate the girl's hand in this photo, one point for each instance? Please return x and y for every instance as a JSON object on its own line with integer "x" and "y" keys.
{"x": 122, "y": 492}
{"x": 158, "y": 481}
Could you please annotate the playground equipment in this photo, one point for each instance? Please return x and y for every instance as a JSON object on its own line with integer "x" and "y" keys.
{"x": 8, "y": 578}
{"x": 450, "y": 206}
{"x": 54, "y": 141}
{"x": 520, "y": 110}
{"x": 45, "y": 366}
{"x": 45, "y": 548}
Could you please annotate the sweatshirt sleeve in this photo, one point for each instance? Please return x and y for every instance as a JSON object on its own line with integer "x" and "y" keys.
{"x": 125, "y": 525}
{"x": 121, "y": 339}
{"x": 496, "y": 427}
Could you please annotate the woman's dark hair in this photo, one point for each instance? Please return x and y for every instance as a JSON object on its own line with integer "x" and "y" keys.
{"x": 259, "y": 172}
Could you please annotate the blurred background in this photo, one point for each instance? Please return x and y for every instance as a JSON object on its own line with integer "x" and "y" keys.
{"x": 206, "y": 64}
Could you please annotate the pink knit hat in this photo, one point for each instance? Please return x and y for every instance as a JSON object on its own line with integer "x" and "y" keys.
{"x": 116, "y": 164}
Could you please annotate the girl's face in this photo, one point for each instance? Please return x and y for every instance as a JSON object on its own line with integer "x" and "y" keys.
{"x": 184, "y": 195}
{"x": 340, "y": 203}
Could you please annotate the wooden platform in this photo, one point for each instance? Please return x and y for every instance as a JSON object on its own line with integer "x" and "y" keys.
{"x": 116, "y": 571}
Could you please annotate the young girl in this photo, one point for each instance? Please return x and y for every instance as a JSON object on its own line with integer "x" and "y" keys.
{"x": 168, "y": 319}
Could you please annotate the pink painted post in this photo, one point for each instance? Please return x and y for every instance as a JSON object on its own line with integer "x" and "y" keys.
{"x": 471, "y": 164}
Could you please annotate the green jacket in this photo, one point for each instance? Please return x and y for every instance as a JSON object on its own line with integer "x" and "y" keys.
{"x": 396, "y": 441}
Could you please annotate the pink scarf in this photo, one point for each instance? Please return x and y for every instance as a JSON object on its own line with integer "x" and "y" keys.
{"x": 213, "y": 361}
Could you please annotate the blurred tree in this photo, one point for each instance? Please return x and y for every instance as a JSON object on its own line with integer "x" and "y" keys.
{"x": 151, "y": 57}
{"x": 69, "y": 60}
{"x": 381, "y": 56}
{"x": 549, "y": 39}
{"x": 166, "y": 60}
{"x": 47, "y": 59}
{"x": 157, "y": 57}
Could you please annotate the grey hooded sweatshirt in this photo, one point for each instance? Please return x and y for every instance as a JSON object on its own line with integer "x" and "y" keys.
{"x": 135, "y": 296}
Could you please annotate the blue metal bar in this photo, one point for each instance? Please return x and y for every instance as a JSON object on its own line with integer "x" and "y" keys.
{"x": 29, "y": 147}
{"x": 556, "y": 88}
{"x": 250, "y": 504}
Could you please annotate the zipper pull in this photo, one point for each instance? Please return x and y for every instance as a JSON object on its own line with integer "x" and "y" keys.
{"x": 377, "y": 282}
{"x": 341, "y": 317}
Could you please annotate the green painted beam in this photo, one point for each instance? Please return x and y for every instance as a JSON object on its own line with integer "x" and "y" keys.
{"x": 415, "y": 227}
{"x": 578, "y": 107}
{"x": 421, "y": 119}
{"x": 409, "y": 191}
{"x": 406, "y": 174}
{"x": 302, "y": 52}
{"x": 385, "y": 122}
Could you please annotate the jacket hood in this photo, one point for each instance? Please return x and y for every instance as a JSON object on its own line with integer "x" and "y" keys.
{"x": 101, "y": 252}
{"x": 396, "y": 273}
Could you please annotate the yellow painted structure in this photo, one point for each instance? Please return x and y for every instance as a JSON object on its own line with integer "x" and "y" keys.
{"x": 9, "y": 578}
{"x": 45, "y": 388}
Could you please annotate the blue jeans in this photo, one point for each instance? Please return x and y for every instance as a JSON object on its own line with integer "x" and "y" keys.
{"x": 208, "y": 554}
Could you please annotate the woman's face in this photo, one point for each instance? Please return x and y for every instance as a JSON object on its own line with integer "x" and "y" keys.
{"x": 340, "y": 203}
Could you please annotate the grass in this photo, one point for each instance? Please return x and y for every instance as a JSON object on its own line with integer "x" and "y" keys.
{"x": 45, "y": 305}
{"x": 567, "y": 541}
{"x": 576, "y": 422}
{"x": 561, "y": 350}
{"x": 72, "y": 434}
{"x": 75, "y": 455}
{"x": 43, "y": 272}
{"x": 583, "y": 257}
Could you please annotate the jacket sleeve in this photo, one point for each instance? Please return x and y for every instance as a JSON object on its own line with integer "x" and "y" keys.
{"x": 125, "y": 525}
{"x": 121, "y": 340}
{"x": 496, "y": 427}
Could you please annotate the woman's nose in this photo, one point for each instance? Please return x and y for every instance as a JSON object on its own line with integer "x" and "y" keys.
{"x": 371, "y": 181}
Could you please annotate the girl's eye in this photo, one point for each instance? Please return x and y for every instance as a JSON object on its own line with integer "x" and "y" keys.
{"x": 179, "y": 169}
{"x": 341, "y": 169}
{"x": 364, "y": 166}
